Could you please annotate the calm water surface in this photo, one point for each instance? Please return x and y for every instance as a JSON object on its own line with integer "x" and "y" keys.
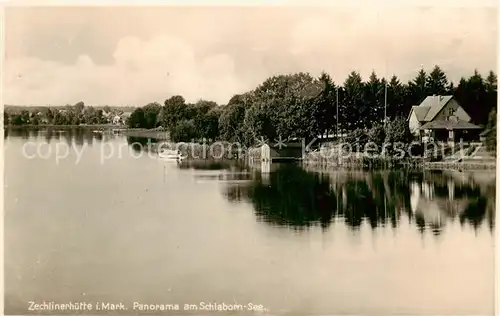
{"x": 133, "y": 228}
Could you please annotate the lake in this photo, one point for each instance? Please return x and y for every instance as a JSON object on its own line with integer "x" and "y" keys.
{"x": 107, "y": 222}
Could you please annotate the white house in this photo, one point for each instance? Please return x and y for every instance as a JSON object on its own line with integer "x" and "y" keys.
{"x": 442, "y": 118}
{"x": 116, "y": 120}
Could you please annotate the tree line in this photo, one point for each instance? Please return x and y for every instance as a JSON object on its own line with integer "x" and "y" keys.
{"x": 76, "y": 114}
{"x": 294, "y": 106}
{"x": 302, "y": 106}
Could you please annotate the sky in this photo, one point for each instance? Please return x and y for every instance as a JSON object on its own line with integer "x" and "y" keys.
{"x": 122, "y": 56}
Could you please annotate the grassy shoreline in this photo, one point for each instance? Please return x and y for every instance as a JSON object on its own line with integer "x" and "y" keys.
{"x": 413, "y": 163}
{"x": 441, "y": 165}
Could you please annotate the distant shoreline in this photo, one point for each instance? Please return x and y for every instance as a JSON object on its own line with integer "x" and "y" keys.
{"x": 123, "y": 130}
{"x": 89, "y": 126}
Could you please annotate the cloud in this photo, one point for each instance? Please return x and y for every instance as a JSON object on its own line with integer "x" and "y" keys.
{"x": 214, "y": 53}
{"x": 142, "y": 72}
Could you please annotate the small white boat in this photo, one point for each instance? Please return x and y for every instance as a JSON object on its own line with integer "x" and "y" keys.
{"x": 171, "y": 155}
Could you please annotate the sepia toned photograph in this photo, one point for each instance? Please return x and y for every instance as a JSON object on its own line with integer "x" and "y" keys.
{"x": 249, "y": 160}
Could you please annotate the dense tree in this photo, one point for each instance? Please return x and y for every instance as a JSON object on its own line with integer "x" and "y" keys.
{"x": 288, "y": 101}
{"x": 398, "y": 130}
{"x": 324, "y": 105}
{"x": 206, "y": 118}
{"x": 151, "y": 112}
{"x": 21, "y": 118}
{"x": 357, "y": 137}
{"x": 231, "y": 122}
{"x": 396, "y": 99}
{"x": 491, "y": 128}
{"x": 491, "y": 81}
{"x": 79, "y": 107}
{"x": 92, "y": 116}
{"x": 437, "y": 83}
{"x": 374, "y": 99}
{"x": 136, "y": 119}
{"x": 34, "y": 120}
{"x": 376, "y": 134}
{"x": 73, "y": 117}
{"x": 473, "y": 95}
{"x": 175, "y": 110}
{"x": 353, "y": 108}
{"x": 491, "y": 91}
{"x": 256, "y": 124}
{"x": 184, "y": 131}
{"x": 450, "y": 89}
{"x": 100, "y": 117}
{"x": 49, "y": 114}
{"x": 202, "y": 107}
{"x": 417, "y": 88}
{"x": 210, "y": 124}
{"x": 60, "y": 118}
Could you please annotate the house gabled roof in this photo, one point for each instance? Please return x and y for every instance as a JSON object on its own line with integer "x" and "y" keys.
{"x": 434, "y": 104}
{"x": 420, "y": 111}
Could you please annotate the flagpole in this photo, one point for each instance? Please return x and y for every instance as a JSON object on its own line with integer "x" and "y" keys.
{"x": 385, "y": 104}
{"x": 337, "y": 101}
{"x": 386, "y": 80}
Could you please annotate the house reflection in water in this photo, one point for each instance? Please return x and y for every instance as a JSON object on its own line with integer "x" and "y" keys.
{"x": 265, "y": 169}
{"x": 435, "y": 210}
{"x": 298, "y": 198}
{"x": 452, "y": 194}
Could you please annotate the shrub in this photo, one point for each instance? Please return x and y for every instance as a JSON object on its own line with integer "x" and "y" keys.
{"x": 398, "y": 131}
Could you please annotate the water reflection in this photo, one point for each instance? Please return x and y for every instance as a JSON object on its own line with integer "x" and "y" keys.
{"x": 140, "y": 144}
{"x": 291, "y": 196}
{"x": 288, "y": 195}
{"x": 209, "y": 164}
{"x": 77, "y": 136}
{"x": 134, "y": 224}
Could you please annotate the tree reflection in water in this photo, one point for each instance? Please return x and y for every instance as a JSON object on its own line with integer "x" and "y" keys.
{"x": 74, "y": 136}
{"x": 140, "y": 144}
{"x": 294, "y": 198}
{"x": 291, "y": 196}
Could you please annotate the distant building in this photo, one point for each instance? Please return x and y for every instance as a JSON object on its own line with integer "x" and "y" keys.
{"x": 42, "y": 118}
{"x": 117, "y": 120}
{"x": 124, "y": 117}
{"x": 107, "y": 116}
{"x": 442, "y": 118}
